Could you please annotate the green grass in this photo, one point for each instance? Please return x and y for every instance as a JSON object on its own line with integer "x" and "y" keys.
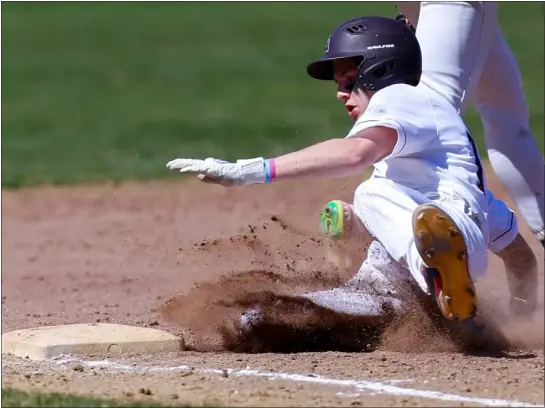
{"x": 113, "y": 90}
{"x": 16, "y": 398}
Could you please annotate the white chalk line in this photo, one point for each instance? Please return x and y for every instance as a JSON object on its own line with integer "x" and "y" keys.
{"x": 364, "y": 386}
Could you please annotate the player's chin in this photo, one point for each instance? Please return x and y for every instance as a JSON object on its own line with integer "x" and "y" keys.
{"x": 354, "y": 114}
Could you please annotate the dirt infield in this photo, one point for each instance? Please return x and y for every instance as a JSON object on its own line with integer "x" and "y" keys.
{"x": 188, "y": 258}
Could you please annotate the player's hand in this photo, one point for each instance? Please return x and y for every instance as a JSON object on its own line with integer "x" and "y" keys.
{"x": 210, "y": 170}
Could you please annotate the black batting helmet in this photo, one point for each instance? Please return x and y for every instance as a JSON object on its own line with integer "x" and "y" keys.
{"x": 385, "y": 49}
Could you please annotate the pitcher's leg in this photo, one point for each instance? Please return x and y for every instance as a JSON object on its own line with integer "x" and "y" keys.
{"x": 512, "y": 150}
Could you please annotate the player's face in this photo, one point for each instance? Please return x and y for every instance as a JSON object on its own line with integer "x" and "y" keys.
{"x": 345, "y": 72}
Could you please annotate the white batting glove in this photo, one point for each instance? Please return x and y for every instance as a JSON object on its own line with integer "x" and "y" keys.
{"x": 210, "y": 170}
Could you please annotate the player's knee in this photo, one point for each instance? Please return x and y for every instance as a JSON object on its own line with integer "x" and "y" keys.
{"x": 366, "y": 194}
{"x": 502, "y": 224}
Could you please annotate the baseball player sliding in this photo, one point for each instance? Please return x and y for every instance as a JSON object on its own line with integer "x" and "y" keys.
{"x": 425, "y": 205}
{"x": 466, "y": 59}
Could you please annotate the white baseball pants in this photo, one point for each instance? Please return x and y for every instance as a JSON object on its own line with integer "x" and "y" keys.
{"x": 386, "y": 209}
{"x": 466, "y": 59}
{"x": 393, "y": 267}
{"x": 381, "y": 285}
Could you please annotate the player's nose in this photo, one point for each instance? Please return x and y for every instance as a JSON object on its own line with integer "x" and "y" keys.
{"x": 343, "y": 96}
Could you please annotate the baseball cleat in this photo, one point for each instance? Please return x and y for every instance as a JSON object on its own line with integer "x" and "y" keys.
{"x": 443, "y": 249}
{"x": 335, "y": 219}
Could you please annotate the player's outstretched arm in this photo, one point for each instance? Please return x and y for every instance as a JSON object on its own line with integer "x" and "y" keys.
{"x": 332, "y": 158}
{"x": 338, "y": 157}
{"x": 521, "y": 269}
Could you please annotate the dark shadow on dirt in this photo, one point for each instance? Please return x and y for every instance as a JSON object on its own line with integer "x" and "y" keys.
{"x": 293, "y": 324}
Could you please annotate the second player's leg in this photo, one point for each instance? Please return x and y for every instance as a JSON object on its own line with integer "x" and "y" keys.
{"x": 513, "y": 152}
{"x": 455, "y": 38}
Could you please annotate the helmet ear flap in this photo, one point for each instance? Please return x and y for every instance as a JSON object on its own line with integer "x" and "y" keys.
{"x": 368, "y": 76}
{"x": 384, "y": 70}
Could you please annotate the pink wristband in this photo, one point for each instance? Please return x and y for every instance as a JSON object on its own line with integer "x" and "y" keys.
{"x": 272, "y": 168}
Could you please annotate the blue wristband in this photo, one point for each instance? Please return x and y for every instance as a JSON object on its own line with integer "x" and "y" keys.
{"x": 267, "y": 171}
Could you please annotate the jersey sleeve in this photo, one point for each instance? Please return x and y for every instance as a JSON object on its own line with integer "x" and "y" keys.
{"x": 390, "y": 107}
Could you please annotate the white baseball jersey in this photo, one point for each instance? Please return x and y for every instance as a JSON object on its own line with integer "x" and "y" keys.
{"x": 434, "y": 160}
{"x": 434, "y": 152}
